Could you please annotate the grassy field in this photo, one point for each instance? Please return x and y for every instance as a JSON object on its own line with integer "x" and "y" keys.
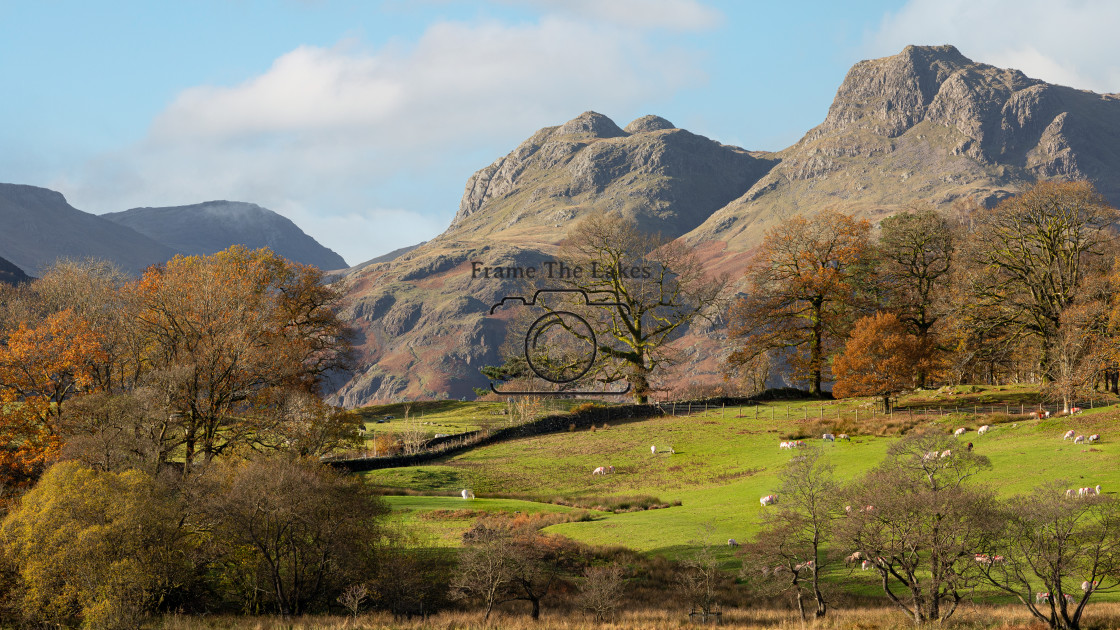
{"x": 447, "y": 416}
{"x": 723, "y": 460}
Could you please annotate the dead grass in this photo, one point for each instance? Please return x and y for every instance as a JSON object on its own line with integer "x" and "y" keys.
{"x": 1098, "y": 616}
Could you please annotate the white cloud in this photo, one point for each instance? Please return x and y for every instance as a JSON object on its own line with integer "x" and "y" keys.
{"x": 681, "y": 15}
{"x": 329, "y": 130}
{"x": 1068, "y": 42}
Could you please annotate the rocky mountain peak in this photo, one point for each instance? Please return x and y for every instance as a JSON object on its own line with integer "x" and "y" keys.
{"x": 648, "y": 123}
{"x": 591, "y": 124}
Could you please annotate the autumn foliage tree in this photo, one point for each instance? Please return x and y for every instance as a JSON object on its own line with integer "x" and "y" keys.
{"x": 42, "y": 367}
{"x": 805, "y": 281}
{"x": 881, "y": 358}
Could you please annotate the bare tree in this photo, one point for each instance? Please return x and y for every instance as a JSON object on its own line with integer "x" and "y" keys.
{"x": 1067, "y": 547}
{"x": 602, "y": 590}
{"x": 660, "y": 288}
{"x": 501, "y": 563}
{"x": 700, "y": 577}
{"x": 918, "y": 525}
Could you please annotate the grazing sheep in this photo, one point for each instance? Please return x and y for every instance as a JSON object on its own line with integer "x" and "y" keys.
{"x": 829, "y": 437}
{"x": 854, "y": 558}
{"x": 946, "y": 453}
{"x": 732, "y": 543}
{"x": 984, "y": 429}
{"x": 653, "y": 449}
{"x": 1094, "y": 437}
{"x": 1042, "y": 598}
{"x": 599, "y": 471}
{"x": 960, "y": 431}
{"x": 804, "y": 565}
{"x": 865, "y": 565}
{"x": 786, "y": 445}
{"x": 1097, "y": 490}
{"x": 1073, "y": 410}
{"x": 848, "y": 509}
{"x": 769, "y": 499}
{"x": 1079, "y": 439}
{"x": 1088, "y": 586}
{"x": 1069, "y": 493}
{"x": 1069, "y": 435}
{"x": 610, "y": 469}
{"x": 929, "y": 456}
{"x": 467, "y": 494}
{"x": 843, "y": 436}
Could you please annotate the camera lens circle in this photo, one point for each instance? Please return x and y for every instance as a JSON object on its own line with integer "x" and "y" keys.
{"x": 560, "y": 346}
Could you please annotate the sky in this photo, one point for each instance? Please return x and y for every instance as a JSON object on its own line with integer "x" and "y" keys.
{"x": 362, "y": 120}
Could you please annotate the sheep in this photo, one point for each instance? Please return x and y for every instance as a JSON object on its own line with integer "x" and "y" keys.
{"x": 844, "y": 436}
{"x": 946, "y": 453}
{"x": 865, "y": 565}
{"x": 1069, "y": 493}
{"x": 1073, "y": 410}
{"x": 970, "y": 447}
{"x": 786, "y": 445}
{"x": 610, "y": 469}
{"x": 848, "y": 509}
{"x": 1088, "y": 586}
{"x": 1097, "y": 490}
{"x": 1069, "y": 435}
{"x": 854, "y": 558}
{"x": 960, "y": 431}
{"x": 929, "y": 456}
{"x": 1042, "y": 598}
{"x": 653, "y": 449}
{"x": 804, "y": 565}
{"x": 769, "y": 499}
{"x": 984, "y": 429}
{"x": 1094, "y": 437}
{"x": 1079, "y": 439}
{"x": 599, "y": 471}
{"x": 467, "y": 494}
{"x": 828, "y": 437}
{"x": 731, "y": 542}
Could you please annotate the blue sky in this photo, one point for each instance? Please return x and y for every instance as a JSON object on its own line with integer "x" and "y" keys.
{"x": 361, "y": 121}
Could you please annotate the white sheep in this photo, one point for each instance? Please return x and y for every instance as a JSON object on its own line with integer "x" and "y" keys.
{"x": 1069, "y": 435}
{"x": 467, "y": 494}
{"x": 982, "y": 430}
{"x": 843, "y": 436}
{"x": 599, "y": 471}
{"x": 653, "y": 449}
{"x": 960, "y": 431}
{"x": 1079, "y": 439}
{"x": 731, "y": 542}
{"x": 946, "y": 453}
{"x": 1094, "y": 437}
{"x": 1042, "y": 598}
{"x": 828, "y": 437}
{"x": 1073, "y": 410}
{"x": 865, "y": 565}
{"x": 769, "y": 499}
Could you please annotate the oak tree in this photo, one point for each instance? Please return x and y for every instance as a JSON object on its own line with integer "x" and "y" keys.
{"x": 806, "y": 281}
{"x": 881, "y": 358}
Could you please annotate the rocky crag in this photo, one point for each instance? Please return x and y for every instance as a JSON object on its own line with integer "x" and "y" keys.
{"x": 927, "y": 124}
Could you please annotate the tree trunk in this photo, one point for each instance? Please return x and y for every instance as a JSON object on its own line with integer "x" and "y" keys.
{"x": 800, "y": 604}
{"x": 536, "y": 614}
{"x": 815, "y": 358}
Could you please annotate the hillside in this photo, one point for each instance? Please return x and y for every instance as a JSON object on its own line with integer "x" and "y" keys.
{"x": 11, "y": 274}
{"x": 423, "y": 318}
{"x": 39, "y": 227}
{"x": 209, "y": 227}
{"x": 927, "y": 124}
{"x": 723, "y": 460}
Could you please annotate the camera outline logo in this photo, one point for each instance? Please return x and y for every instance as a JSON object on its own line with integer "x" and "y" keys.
{"x": 540, "y": 326}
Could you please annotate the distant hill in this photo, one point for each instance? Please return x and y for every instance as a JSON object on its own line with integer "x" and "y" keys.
{"x": 383, "y": 258}
{"x": 11, "y": 274}
{"x": 38, "y": 226}
{"x": 209, "y": 227}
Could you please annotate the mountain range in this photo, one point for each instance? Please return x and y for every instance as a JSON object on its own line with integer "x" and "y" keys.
{"x": 39, "y": 226}
{"x": 927, "y": 124}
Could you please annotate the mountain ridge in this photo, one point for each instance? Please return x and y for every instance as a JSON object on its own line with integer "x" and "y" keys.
{"x": 927, "y": 124}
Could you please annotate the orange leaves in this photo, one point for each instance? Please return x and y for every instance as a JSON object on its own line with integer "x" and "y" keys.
{"x": 41, "y": 366}
{"x": 880, "y": 358}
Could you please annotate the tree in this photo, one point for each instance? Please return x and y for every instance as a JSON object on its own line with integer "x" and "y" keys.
{"x": 916, "y": 251}
{"x": 658, "y": 285}
{"x": 1068, "y": 547}
{"x": 1076, "y": 352}
{"x": 225, "y": 332}
{"x": 42, "y": 366}
{"x": 308, "y": 530}
{"x": 805, "y": 281}
{"x": 700, "y": 578}
{"x": 1036, "y": 251}
{"x": 102, "y": 548}
{"x": 881, "y": 358}
{"x": 602, "y": 590}
{"x": 797, "y": 530}
{"x": 502, "y": 562}
{"x": 919, "y": 525}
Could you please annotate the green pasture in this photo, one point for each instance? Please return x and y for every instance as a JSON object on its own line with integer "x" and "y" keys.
{"x": 442, "y": 520}
{"x": 446, "y": 416}
{"x": 724, "y": 460}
